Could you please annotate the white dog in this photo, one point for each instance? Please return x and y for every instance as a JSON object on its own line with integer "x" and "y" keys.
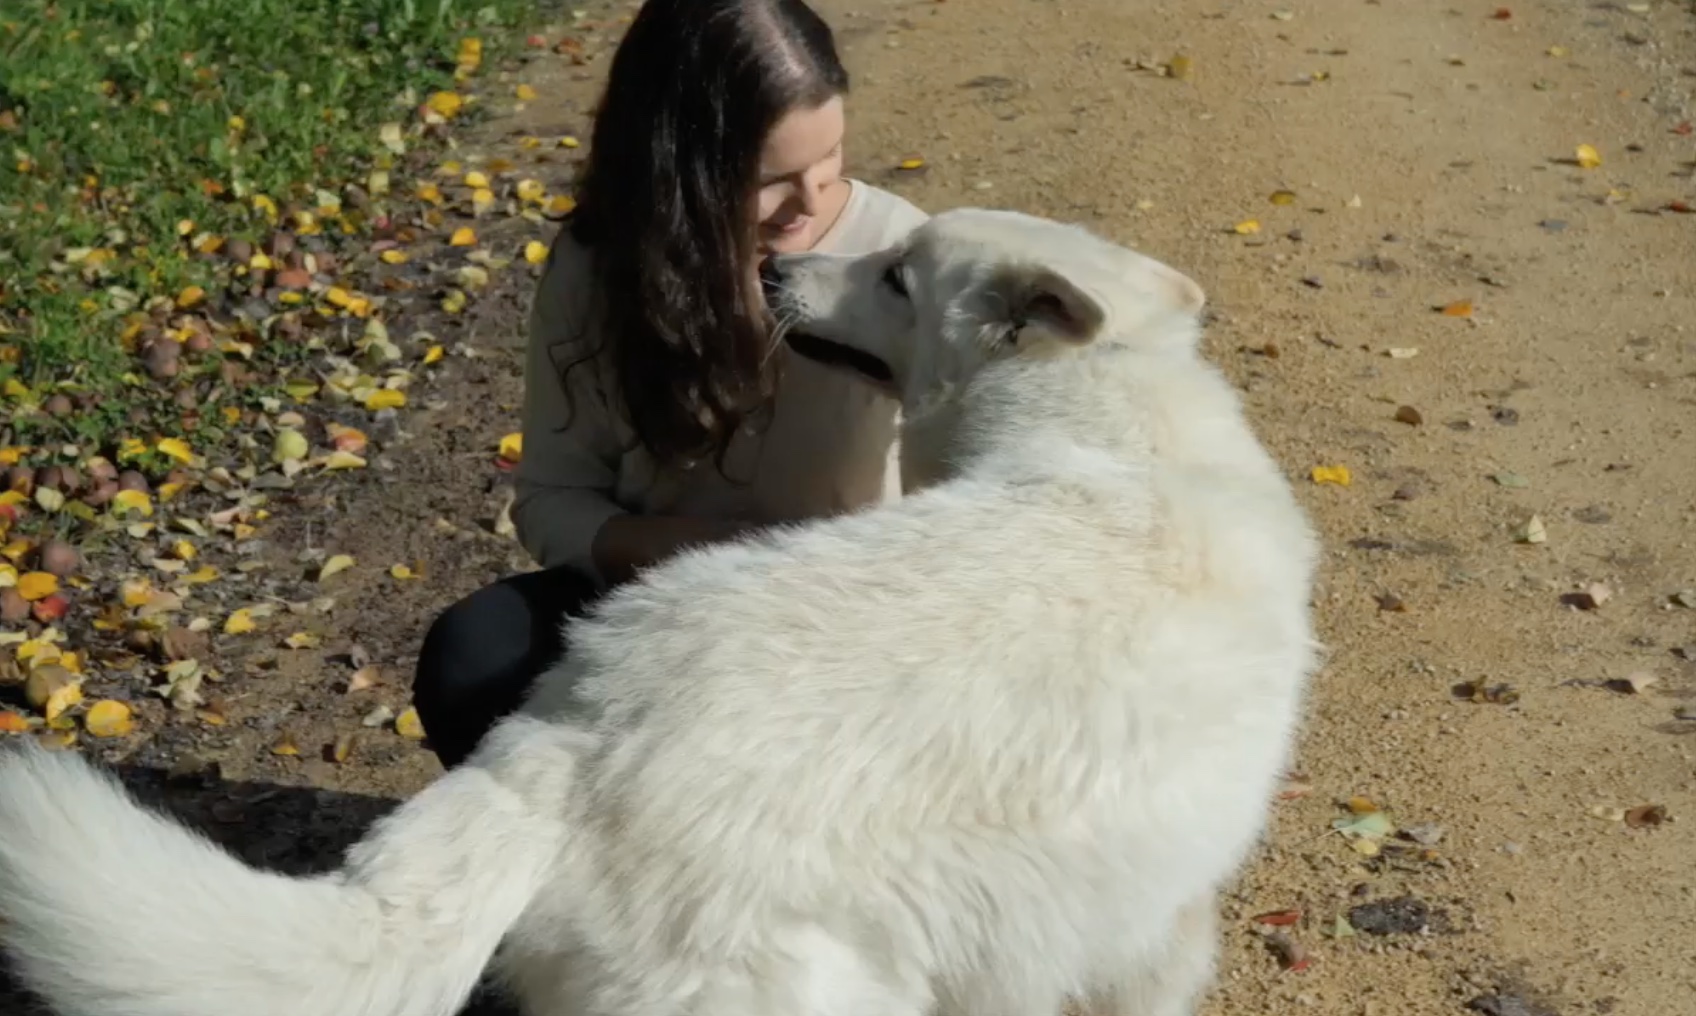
{"x": 971, "y": 752}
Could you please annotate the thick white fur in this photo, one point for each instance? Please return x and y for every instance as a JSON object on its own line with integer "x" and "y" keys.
{"x": 970, "y": 752}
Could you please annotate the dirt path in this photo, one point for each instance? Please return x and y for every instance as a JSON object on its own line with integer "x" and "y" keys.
{"x": 1430, "y": 149}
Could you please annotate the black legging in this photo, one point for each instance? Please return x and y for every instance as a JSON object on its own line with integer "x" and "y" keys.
{"x": 483, "y": 653}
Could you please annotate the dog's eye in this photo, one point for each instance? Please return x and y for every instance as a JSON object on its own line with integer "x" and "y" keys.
{"x": 893, "y": 278}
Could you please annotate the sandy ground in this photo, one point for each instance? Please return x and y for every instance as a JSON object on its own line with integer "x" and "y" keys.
{"x": 1431, "y": 152}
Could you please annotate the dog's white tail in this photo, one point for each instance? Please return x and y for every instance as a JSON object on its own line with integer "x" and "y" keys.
{"x": 108, "y": 909}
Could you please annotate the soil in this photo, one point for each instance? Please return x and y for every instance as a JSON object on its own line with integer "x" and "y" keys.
{"x": 1431, "y": 151}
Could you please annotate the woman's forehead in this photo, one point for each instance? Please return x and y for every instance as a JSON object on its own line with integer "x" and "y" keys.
{"x": 803, "y": 138}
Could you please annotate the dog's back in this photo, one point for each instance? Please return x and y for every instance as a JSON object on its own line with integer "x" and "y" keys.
{"x": 1068, "y": 674}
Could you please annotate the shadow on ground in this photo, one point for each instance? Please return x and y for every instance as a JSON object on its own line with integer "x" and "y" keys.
{"x": 294, "y": 830}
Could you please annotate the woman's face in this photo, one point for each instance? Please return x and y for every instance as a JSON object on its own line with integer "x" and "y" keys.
{"x": 800, "y": 178}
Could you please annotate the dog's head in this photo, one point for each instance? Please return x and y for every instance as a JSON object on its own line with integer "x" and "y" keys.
{"x": 969, "y": 288}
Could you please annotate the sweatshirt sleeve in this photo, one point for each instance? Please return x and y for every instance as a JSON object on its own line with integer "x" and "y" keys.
{"x": 572, "y": 449}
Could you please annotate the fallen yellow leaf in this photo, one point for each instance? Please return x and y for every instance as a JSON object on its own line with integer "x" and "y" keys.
{"x": 343, "y": 460}
{"x": 135, "y": 592}
{"x": 433, "y": 354}
{"x": 364, "y": 678}
{"x": 202, "y": 575}
{"x": 385, "y": 398}
{"x": 175, "y": 448}
{"x": 240, "y": 622}
{"x": 535, "y": 252}
{"x": 476, "y": 180}
{"x": 525, "y": 93}
{"x": 301, "y": 640}
{"x": 37, "y": 585}
{"x": 464, "y": 236}
{"x": 562, "y": 204}
{"x": 285, "y": 747}
{"x": 446, "y": 104}
{"x": 13, "y": 723}
{"x": 1337, "y": 475}
{"x": 1587, "y": 156}
{"x": 335, "y": 564}
{"x": 1460, "y": 308}
{"x": 910, "y": 164}
{"x": 125, "y": 502}
{"x": 532, "y": 191}
{"x": 109, "y": 718}
{"x": 1247, "y": 227}
{"x": 62, "y": 699}
{"x": 409, "y": 726}
{"x": 401, "y": 572}
{"x": 191, "y": 296}
{"x": 1283, "y": 197}
{"x": 512, "y": 447}
{"x": 470, "y": 53}
{"x": 393, "y": 256}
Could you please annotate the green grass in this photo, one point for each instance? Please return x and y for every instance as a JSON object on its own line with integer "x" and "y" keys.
{"x": 120, "y": 119}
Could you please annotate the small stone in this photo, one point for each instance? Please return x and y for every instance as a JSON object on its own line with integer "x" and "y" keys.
{"x": 1403, "y": 915}
{"x": 1410, "y": 416}
{"x": 1426, "y": 834}
{"x": 1593, "y": 515}
{"x": 163, "y": 359}
{"x": 1590, "y": 597}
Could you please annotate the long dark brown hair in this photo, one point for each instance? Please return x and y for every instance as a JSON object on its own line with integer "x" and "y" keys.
{"x": 666, "y": 207}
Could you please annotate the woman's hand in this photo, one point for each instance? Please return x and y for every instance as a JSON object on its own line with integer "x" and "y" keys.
{"x": 626, "y": 544}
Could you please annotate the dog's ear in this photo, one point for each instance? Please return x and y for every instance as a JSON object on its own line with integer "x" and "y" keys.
{"x": 1170, "y": 287}
{"x": 1042, "y": 298}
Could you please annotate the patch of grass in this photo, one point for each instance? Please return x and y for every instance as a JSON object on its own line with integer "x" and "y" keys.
{"x": 133, "y": 130}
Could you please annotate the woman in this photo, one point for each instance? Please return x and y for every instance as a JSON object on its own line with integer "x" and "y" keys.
{"x": 658, "y": 412}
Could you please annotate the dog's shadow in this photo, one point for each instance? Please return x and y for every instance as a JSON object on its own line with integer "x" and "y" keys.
{"x": 294, "y": 830}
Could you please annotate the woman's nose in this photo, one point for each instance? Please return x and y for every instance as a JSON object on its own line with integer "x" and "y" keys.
{"x": 808, "y": 195}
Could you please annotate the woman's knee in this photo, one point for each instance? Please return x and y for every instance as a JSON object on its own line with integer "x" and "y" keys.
{"x": 470, "y": 643}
